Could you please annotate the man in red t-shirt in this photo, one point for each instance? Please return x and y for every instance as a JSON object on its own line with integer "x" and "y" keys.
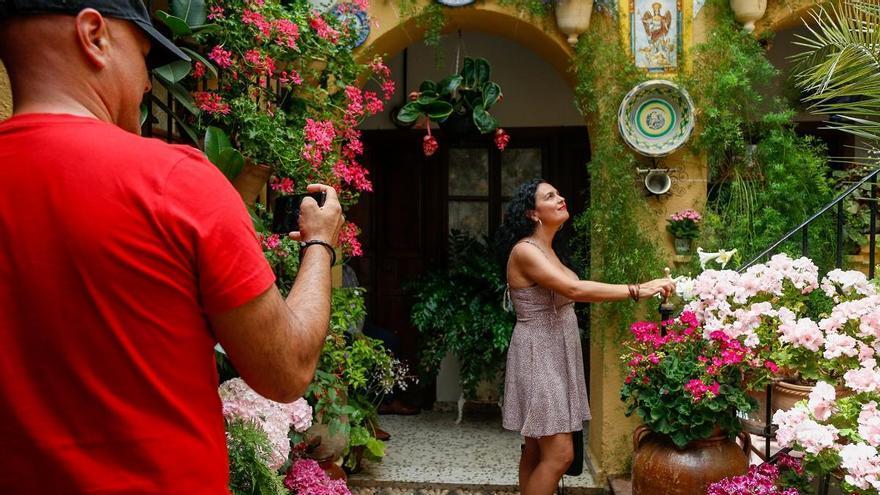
{"x": 123, "y": 261}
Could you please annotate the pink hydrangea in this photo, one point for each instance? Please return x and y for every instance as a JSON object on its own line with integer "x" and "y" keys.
{"x": 275, "y": 419}
{"x": 307, "y": 478}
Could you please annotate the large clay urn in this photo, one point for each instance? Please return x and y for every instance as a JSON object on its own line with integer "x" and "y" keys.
{"x": 659, "y": 467}
{"x": 747, "y": 12}
{"x": 573, "y": 18}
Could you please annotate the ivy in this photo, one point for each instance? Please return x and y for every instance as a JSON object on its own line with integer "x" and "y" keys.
{"x": 620, "y": 249}
{"x": 759, "y": 166}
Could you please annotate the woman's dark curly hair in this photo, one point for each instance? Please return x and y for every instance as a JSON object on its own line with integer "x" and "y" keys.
{"x": 517, "y": 225}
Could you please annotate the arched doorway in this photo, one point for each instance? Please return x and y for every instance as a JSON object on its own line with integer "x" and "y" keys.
{"x": 418, "y": 200}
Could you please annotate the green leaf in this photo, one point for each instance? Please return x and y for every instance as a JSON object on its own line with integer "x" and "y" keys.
{"x": 197, "y": 57}
{"x": 231, "y": 162}
{"x": 376, "y": 447}
{"x": 178, "y": 26}
{"x": 427, "y": 97}
{"x": 205, "y": 28}
{"x": 491, "y": 92}
{"x": 437, "y": 110}
{"x": 175, "y": 71}
{"x": 180, "y": 94}
{"x": 468, "y": 72}
{"x": 427, "y": 86}
{"x": 143, "y": 117}
{"x": 448, "y": 85}
{"x": 410, "y": 112}
{"x": 484, "y": 122}
{"x": 216, "y": 141}
{"x": 191, "y": 11}
{"x": 481, "y": 71}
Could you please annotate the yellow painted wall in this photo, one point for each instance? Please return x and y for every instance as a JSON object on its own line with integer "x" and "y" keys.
{"x": 5, "y": 94}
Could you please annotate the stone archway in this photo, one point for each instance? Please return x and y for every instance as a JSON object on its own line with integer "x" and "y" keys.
{"x": 391, "y": 32}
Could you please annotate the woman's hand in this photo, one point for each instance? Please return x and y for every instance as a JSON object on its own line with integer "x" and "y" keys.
{"x": 662, "y": 286}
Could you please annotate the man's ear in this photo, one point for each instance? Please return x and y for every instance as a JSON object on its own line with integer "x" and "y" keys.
{"x": 93, "y": 37}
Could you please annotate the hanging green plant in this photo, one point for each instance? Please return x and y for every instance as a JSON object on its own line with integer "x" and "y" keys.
{"x": 460, "y": 103}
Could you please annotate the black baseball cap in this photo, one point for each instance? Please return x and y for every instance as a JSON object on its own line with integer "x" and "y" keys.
{"x": 162, "y": 50}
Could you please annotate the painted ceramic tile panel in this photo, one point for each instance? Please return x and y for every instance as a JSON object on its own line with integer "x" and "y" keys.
{"x": 656, "y": 32}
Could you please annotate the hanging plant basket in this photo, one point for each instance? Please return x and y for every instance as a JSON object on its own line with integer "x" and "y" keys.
{"x": 459, "y": 125}
{"x": 459, "y": 103}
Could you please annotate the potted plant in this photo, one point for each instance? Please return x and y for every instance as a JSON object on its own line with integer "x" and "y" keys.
{"x": 272, "y": 89}
{"x": 801, "y": 334}
{"x": 838, "y": 436}
{"x": 687, "y": 388}
{"x": 684, "y": 227}
{"x": 458, "y": 310}
{"x": 459, "y": 103}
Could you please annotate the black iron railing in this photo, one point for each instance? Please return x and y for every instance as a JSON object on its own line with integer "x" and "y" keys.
{"x": 803, "y": 229}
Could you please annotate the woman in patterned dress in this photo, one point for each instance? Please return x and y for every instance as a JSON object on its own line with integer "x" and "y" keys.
{"x": 545, "y": 395}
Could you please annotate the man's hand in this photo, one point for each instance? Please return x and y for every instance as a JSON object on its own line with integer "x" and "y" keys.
{"x": 321, "y": 223}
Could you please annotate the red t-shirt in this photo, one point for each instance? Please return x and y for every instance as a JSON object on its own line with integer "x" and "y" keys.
{"x": 113, "y": 248}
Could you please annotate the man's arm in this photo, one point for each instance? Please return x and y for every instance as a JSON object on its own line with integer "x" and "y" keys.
{"x": 275, "y": 344}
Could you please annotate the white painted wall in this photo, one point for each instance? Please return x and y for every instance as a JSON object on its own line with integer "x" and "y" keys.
{"x": 535, "y": 95}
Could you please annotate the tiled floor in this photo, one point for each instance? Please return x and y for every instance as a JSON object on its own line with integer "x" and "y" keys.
{"x": 430, "y": 451}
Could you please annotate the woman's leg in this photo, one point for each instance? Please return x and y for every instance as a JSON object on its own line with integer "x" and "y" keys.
{"x": 556, "y": 455}
{"x": 531, "y": 455}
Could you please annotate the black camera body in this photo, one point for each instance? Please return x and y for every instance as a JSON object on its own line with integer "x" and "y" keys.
{"x": 285, "y": 218}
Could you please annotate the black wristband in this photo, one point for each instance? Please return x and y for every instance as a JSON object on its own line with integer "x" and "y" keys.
{"x": 322, "y": 243}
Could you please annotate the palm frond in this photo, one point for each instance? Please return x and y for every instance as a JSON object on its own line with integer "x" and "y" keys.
{"x": 839, "y": 70}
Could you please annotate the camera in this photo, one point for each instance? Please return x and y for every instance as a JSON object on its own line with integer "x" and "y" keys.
{"x": 285, "y": 218}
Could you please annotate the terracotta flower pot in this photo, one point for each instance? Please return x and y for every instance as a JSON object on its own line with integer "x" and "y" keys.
{"x": 333, "y": 470}
{"x": 661, "y": 467}
{"x": 251, "y": 180}
{"x": 785, "y": 395}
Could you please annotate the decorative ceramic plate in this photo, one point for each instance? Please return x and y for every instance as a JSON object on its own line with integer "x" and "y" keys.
{"x": 356, "y": 19}
{"x": 656, "y": 117}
